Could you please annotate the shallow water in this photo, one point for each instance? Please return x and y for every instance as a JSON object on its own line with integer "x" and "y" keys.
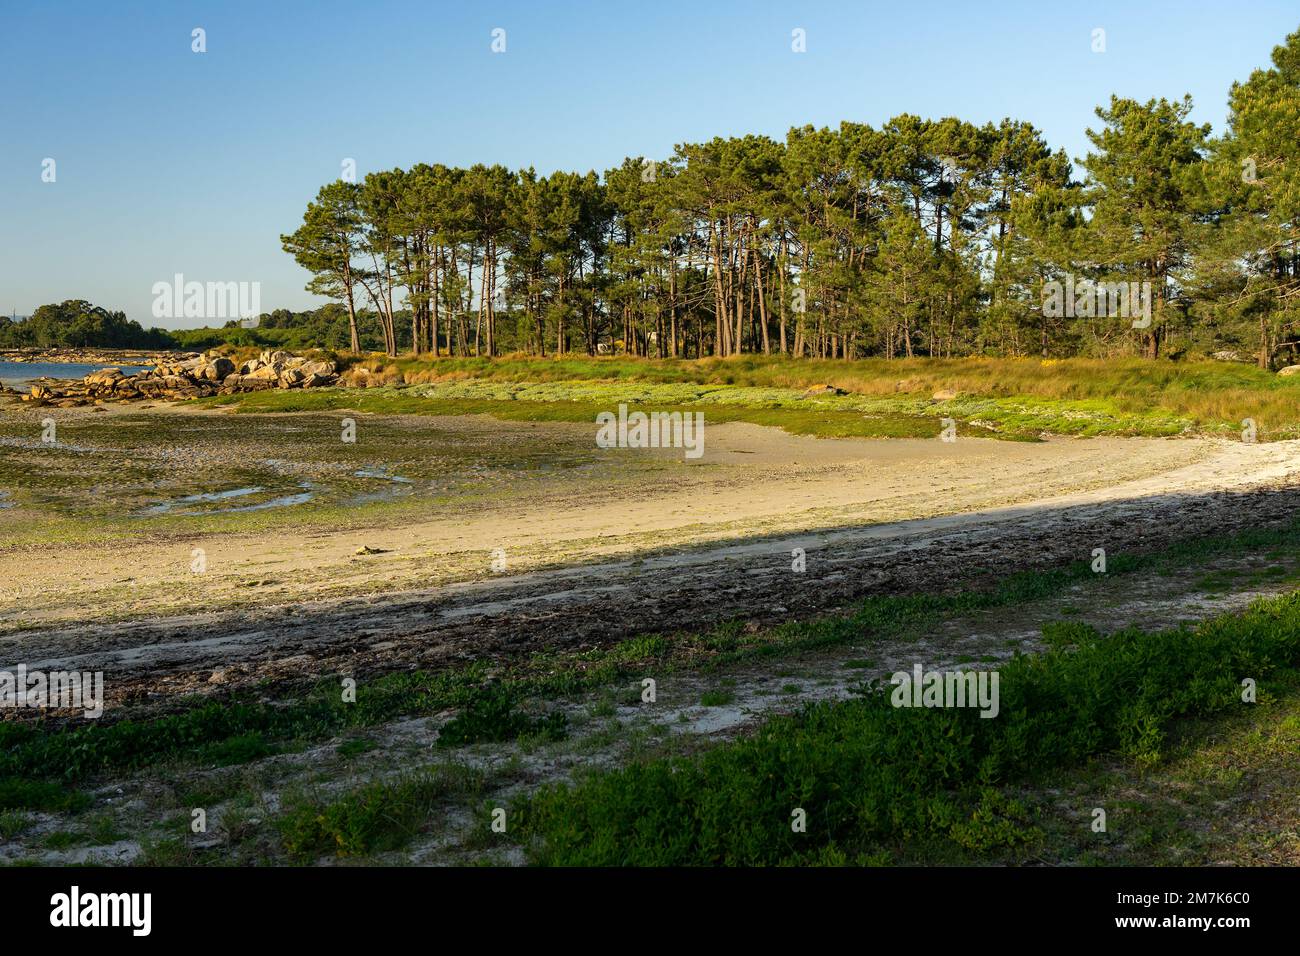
{"x": 18, "y": 374}
{"x": 178, "y": 505}
{"x": 381, "y": 474}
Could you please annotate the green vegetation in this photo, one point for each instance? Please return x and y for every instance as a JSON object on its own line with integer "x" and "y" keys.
{"x": 935, "y": 238}
{"x": 20, "y": 794}
{"x": 33, "y": 756}
{"x": 924, "y": 237}
{"x": 717, "y": 698}
{"x": 493, "y": 715}
{"x": 867, "y": 774}
{"x": 1008, "y": 398}
{"x": 380, "y": 816}
{"x": 79, "y": 324}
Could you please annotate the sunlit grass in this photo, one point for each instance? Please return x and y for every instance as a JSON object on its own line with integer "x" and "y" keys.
{"x": 1006, "y": 397}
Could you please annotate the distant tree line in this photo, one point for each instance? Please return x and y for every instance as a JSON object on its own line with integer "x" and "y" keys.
{"x": 77, "y": 323}
{"x": 923, "y": 237}
{"x": 327, "y": 327}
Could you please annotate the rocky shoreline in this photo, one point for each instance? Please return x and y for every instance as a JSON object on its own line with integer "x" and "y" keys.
{"x": 176, "y": 377}
{"x": 71, "y": 356}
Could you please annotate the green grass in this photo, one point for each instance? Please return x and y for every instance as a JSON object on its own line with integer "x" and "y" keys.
{"x": 1224, "y": 794}
{"x": 20, "y": 794}
{"x": 12, "y": 823}
{"x": 493, "y": 716}
{"x": 868, "y": 774}
{"x": 375, "y": 818}
{"x": 844, "y": 416}
{"x": 1098, "y": 396}
{"x": 717, "y": 698}
{"x": 807, "y": 418}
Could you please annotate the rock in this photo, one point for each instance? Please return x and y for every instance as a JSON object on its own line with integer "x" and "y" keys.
{"x": 223, "y": 366}
{"x": 1289, "y": 370}
{"x": 105, "y": 376}
{"x": 944, "y": 395}
{"x": 317, "y": 368}
{"x": 214, "y": 371}
{"x": 1227, "y": 355}
{"x": 366, "y": 549}
{"x": 823, "y": 390}
{"x": 190, "y": 376}
{"x": 274, "y": 357}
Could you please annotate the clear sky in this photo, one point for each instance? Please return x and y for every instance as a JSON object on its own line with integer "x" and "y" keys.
{"x": 173, "y": 161}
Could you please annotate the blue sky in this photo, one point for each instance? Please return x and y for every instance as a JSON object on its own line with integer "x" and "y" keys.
{"x": 171, "y": 161}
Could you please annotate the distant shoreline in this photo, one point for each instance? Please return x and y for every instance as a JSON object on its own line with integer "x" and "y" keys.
{"x": 93, "y": 356}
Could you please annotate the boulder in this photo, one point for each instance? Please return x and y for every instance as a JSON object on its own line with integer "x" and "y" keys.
{"x": 1289, "y": 370}
{"x": 263, "y": 373}
{"x": 274, "y": 357}
{"x": 105, "y": 376}
{"x": 943, "y": 395}
{"x": 223, "y": 367}
{"x": 323, "y": 369}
